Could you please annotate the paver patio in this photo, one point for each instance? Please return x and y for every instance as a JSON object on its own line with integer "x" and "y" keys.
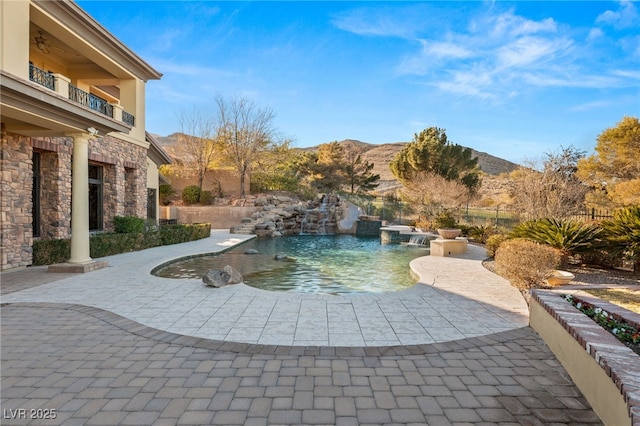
{"x": 93, "y": 362}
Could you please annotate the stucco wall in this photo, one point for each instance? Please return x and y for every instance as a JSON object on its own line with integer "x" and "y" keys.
{"x": 229, "y": 183}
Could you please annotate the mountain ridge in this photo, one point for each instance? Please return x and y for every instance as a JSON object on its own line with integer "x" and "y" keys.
{"x": 379, "y": 154}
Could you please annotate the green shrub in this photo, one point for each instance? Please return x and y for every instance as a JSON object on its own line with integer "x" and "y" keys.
{"x": 175, "y": 234}
{"x": 444, "y": 220}
{"x": 128, "y": 224}
{"x": 480, "y": 233}
{"x": 570, "y": 236}
{"x": 102, "y": 245}
{"x": 602, "y": 258}
{"x": 526, "y": 263}
{"x": 205, "y": 198}
{"x": 48, "y": 252}
{"x": 191, "y": 194}
{"x": 493, "y": 242}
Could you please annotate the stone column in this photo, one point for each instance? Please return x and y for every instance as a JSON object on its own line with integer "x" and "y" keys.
{"x": 80, "y": 199}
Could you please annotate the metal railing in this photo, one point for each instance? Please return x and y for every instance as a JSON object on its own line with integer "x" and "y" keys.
{"x": 42, "y": 77}
{"x": 128, "y": 118}
{"x": 90, "y": 100}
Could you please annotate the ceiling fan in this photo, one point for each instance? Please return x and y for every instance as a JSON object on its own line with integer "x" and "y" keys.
{"x": 45, "y": 45}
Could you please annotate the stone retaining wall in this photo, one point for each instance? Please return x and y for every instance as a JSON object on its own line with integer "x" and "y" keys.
{"x": 124, "y": 188}
{"x": 605, "y": 370}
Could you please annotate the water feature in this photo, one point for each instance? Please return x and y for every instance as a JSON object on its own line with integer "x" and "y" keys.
{"x": 418, "y": 240}
{"x": 329, "y": 264}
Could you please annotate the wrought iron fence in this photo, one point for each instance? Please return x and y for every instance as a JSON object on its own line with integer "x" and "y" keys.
{"x": 128, "y": 118}
{"x": 42, "y": 77}
{"x": 90, "y": 100}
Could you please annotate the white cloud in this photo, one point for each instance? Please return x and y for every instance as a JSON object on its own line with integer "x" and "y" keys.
{"x": 529, "y": 51}
{"x": 445, "y": 50}
{"x": 590, "y": 106}
{"x": 595, "y": 33}
{"x": 369, "y": 22}
{"x": 625, "y": 17}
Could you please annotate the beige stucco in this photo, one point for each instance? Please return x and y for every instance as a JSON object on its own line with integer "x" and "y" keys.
{"x": 591, "y": 379}
{"x": 14, "y": 37}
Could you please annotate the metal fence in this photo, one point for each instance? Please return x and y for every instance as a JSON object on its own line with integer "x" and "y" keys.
{"x": 394, "y": 210}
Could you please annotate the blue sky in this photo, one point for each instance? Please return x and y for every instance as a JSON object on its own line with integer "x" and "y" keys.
{"x": 513, "y": 79}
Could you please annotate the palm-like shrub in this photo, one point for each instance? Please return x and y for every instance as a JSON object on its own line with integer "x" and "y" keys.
{"x": 570, "y": 236}
{"x": 623, "y": 234}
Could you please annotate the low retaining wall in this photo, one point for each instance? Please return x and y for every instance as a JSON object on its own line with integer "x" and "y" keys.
{"x": 220, "y": 217}
{"x": 605, "y": 370}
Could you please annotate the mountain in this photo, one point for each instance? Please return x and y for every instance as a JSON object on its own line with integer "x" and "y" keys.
{"x": 381, "y": 155}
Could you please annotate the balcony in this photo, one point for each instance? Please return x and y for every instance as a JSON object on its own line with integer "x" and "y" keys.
{"x": 89, "y": 100}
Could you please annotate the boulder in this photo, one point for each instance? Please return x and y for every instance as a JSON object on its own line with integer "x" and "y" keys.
{"x": 235, "y": 277}
{"x": 251, "y": 251}
{"x": 217, "y": 278}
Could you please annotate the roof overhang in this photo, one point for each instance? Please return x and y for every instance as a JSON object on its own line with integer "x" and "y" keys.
{"x": 99, "y": 41}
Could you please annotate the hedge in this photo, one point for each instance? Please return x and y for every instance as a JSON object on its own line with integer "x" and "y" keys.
{"x": 47, "y": 252}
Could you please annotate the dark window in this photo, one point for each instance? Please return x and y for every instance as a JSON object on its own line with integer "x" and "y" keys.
{"x": 35, "y": 195}
{"x": 151, "y": 203}
{"x": 95, "y": 198}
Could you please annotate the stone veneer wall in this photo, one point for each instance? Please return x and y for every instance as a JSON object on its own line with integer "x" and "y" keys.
{"x": 55, "y": 186}
{"x": 124, "y": 188}
{"x": 15, "y": 200}
{"x": 124, "y": 178}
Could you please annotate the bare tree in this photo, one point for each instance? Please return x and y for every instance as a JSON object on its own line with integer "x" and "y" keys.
{"x": 196, "y": 148}
{"x": 550, "y": 189}
{"x": 245, "y": 132}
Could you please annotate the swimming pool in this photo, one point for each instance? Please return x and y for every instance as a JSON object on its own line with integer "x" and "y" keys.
{"x": 331, "y": 264}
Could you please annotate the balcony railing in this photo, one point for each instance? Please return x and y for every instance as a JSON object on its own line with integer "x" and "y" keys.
{"x": 128, "y": 118}
{"x": 42, "y": 77}
{"x": 89, "y": 100}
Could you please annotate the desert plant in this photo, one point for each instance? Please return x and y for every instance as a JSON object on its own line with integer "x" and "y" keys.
{"x": 445, "y": 220}
{"x": 623, "y": 233}
{"x": 570, "y": 236}
{"x": 493, "y": 242}
{"x": 191, "y": 194}
{"x": 480, "y": 233}
{"x": 525, "y": 263}
{"x": 165, "y": 192}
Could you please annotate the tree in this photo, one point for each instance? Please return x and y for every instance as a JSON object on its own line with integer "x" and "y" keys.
{"x": 435, "y": 171}
{"x": 549, "y": 187}
{"x": 245, "y": 131}
{"x": 614, "y": 170}
{"x": 196, "y": 149}
{"x": 327, "y": 167}
{"x": 277, "y": 169}
{"x": 358, "y": 173}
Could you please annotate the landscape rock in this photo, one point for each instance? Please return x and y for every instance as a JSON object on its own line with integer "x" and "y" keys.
{"x": 235, "y": 277}
{"x": 216, "y": 278}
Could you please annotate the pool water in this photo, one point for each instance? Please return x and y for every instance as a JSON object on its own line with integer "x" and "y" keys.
{"x": 331, "y": 264}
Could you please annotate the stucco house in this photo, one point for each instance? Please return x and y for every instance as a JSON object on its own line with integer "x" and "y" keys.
{"x": 75, "y": 152}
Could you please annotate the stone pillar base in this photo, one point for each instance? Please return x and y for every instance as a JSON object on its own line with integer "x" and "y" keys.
{"x": 442, "y": 247}
{"x": 79, "y": 268}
